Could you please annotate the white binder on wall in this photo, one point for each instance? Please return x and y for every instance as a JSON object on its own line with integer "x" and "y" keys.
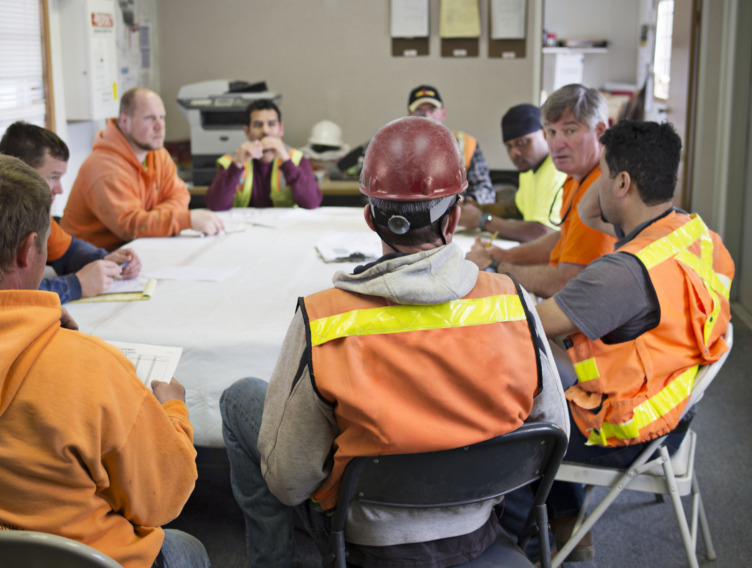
{"x": 90, "y": 65}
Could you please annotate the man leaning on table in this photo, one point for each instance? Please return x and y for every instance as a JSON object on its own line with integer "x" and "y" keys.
{"x": 128, "y": 187}
{"x": 87, "y": 452}
{"x": 352, "y": 388}
{"x": 574, "y": 117}
{"x": 81, "y": 268}
{"x": 640, "y": 320}
{"x": 534, "y": 209}
{"x": 264, "y": 172}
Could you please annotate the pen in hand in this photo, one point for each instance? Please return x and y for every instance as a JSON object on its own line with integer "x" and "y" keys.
{"x": 488, "y": 244}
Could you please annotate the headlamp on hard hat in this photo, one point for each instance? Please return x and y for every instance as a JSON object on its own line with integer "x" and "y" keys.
{"x": 401, "y": 223}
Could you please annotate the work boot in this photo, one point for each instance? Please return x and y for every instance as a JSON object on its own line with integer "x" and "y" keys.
{"x": 563, "y": 527}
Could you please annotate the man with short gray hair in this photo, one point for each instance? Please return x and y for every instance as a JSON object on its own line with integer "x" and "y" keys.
{"x": 574, "y": 118}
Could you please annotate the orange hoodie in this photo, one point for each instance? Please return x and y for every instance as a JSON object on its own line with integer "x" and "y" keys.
{"x": 116, "y": 199}
{"x": 86, "y": 450}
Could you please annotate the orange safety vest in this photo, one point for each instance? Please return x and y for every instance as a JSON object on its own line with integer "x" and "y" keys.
{"x": 415, "y": 378}
{"x": 467, "y": 146}
{"x": 635, "y": 391}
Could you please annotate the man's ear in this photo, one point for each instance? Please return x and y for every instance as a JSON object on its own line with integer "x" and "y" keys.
{"x": 367, "y": 217}
{"x": 281, "y": 129}
{"x": 247, "y": 132}
{"x": 23, "y": 254}
{"x": 600, "y": 128}
{"x": 624, "y": 185}
{"x": 452, "y": 221}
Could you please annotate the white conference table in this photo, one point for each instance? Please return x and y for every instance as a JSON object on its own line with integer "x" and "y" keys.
{"x": 233, "y": 328}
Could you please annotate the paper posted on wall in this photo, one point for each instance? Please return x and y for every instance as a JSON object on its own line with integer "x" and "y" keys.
{"x": 152, "y": 362}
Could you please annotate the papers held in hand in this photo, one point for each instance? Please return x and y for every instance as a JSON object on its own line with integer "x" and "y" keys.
{"x": 152, "y": 362}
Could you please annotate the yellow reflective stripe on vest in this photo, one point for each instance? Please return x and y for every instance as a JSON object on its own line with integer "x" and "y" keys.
{"x": 587, "y": 370}
{"x": 403, "y": 318}
{"x": 649, "y": 411}
{"x": 673, "y": 243}
{"x": 676, "y": 244}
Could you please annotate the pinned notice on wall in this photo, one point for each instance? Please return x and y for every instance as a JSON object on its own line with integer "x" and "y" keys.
{"x": 507, "y": 19}
{"x": 460, "y": 19}
{"x": 409, "y": 27}
{"x": 409, "y": 18}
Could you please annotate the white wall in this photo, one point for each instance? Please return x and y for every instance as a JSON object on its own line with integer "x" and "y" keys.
{"x": 615, "y": 20}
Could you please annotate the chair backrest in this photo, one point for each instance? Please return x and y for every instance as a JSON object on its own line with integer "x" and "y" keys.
{"x": 29, "y": 549}
{"x": 453, "y": 477}
{"x": 707, "y": 373}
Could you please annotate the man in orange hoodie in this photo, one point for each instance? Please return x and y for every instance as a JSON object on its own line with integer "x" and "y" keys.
{"x": 128, "y": 187}
{"x": 86, "y": 450}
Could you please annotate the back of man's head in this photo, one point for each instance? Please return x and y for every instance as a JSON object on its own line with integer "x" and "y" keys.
{"x": 262, "y": 104}
{"x": 25, "y": 200}
{"x": 649, "y": 152}
{"x": 587, "y": 105}
{"x": 30, "y": 142}
{"x": 413, "y": 173}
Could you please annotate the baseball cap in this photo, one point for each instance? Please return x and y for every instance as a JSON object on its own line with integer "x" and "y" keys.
{"x": 424, "y": 94}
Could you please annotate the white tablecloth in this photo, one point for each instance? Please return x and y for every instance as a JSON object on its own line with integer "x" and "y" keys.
{"x": 234, "y": 328}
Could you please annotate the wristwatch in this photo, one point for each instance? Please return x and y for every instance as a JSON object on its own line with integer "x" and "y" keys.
{"x": 493, "y": 267}
{"x": 483, "y": 220}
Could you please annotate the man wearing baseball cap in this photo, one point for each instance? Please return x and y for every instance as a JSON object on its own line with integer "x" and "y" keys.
{"x": 533, "y": 210}
{"x": 424, "y": 100}
{"x": 367, "y": 368}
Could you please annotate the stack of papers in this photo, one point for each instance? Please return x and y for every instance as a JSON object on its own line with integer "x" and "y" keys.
{"x": 140, "y": 288}
{"x": 350, "y": 247}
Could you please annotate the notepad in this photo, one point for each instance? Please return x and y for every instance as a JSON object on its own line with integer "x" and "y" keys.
{"x": 152, "y": 362}
{"x": 140, "y": 288}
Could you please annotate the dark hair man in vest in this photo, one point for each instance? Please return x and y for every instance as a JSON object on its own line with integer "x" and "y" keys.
{"x": 264, "y": 172}
{"x": 533, "y": 210}
{"x": 639, "y": 321}
{"x": 367, "y": 368}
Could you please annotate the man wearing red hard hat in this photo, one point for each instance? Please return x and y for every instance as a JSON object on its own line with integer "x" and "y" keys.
{"x": 367, "y": 368}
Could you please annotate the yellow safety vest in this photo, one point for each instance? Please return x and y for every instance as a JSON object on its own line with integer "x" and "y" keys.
{"x": 280, "y": 193}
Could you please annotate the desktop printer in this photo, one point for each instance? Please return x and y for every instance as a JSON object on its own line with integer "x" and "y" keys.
{"x": 215, "y": 111}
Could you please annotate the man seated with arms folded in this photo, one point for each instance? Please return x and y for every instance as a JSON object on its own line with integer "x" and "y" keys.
{"x": 533, "y": 211}
{"x": 574, "y": 117}
{"x": 128, "y": 187}
{"x": 82, "y": 269}
{"x": 86, "y": 450}
{"x": 362, "y": 389}
{"x": 425, "y": 100}
{"x": 640, "y": 320}
{"x": 264, "y": 172}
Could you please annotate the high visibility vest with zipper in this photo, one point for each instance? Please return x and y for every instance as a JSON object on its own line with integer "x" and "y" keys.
{"x": 414, "y": 378}
{"x": 636, "y": 390}
{"x": 280, "y": 193}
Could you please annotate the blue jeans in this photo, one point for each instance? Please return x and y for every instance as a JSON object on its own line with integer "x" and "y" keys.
{"x": 181, "y": 550}
{"x": 565, "y": 498}
{"x": 269, "y": 523}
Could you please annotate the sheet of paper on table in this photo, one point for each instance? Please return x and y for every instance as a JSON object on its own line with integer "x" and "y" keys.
{"x": 152, "y": 362}
{"x": 275, "y": 218}
{"x": 207, "y": 273}
{"x": 349, "y": 247}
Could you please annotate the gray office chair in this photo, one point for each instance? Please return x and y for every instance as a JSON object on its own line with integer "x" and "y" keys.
{"x": 458, "y": 477}
{"x": 29, "y": 549}
{"x": 661, "y": 475}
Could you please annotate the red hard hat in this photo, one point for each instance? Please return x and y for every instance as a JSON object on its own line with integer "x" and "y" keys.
{"x": 413, "y": 159}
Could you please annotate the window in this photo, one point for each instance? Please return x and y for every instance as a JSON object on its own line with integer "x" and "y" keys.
{"x": 662, "y": 58}
{"x": 22, "y": 75}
